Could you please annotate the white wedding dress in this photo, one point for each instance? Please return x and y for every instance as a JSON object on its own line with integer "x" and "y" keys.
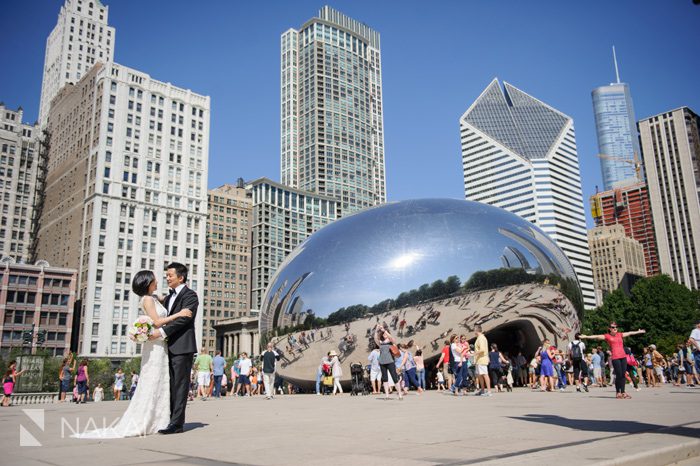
{"x": 149, "y": 408}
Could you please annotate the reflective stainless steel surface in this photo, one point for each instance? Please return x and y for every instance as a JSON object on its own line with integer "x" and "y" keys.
{"x": 427, "y": 268}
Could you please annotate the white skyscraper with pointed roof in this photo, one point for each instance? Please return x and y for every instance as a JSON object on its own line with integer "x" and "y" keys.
{"x": 519, "y": 154}
{"x": 80, "y": 39}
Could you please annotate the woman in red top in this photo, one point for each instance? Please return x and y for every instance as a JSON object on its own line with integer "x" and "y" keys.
{"x": 619, "y": 358}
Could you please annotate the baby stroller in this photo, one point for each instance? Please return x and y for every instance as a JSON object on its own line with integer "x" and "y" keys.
{"x": 357, "y": 373}
{"x": 326, "y": 379}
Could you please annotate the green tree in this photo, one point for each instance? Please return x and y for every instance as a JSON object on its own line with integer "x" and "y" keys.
{"x": 665, "y": 309}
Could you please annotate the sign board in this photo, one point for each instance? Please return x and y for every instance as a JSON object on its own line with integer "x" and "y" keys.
{"x": 31, "y": 380}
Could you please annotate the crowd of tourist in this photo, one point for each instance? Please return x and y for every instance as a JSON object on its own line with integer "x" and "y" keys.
{"x": 395, "y": 367}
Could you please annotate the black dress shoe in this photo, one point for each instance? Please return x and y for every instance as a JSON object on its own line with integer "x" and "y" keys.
{"x": 171, "y": 430}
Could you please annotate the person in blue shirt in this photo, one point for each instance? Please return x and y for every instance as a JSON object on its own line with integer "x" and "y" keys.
{"x": 219, "y": 364}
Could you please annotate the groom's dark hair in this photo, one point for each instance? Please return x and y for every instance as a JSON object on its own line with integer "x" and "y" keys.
{"x": 142, "y": 280}
{"x": 180, "y": 270}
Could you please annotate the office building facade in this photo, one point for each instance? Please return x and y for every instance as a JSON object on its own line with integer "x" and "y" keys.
{"x": 227, "y": 284}
{"x": 126, "y": 191}
{"x": 629, "y": 206}
{"x": 671, "y": 149}
{"x": 21, "y": 181}
{"x": 613, "y": 254}
{"x": 80, "y": 39}
{"x": 36, "y": 307}
{"x": 520, "y": 154}
{"x": 332, "y": 129}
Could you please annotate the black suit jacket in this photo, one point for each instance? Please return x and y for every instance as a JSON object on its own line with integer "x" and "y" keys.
{"x": 180, "y": 332}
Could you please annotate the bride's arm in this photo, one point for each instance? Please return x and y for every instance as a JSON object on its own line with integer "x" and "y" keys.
{"x": 149, "y": 307}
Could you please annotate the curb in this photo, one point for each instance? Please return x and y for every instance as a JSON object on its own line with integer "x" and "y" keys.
{"x": 661, "y": 456}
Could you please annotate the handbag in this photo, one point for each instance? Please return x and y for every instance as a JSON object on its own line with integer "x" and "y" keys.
{"x": 395, "y": 352}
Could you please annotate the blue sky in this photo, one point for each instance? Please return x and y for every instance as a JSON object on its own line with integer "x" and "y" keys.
{"x": 437, "y": 58}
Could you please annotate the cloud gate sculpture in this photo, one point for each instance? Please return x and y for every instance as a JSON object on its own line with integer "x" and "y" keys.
{"x": 427, "y": 269}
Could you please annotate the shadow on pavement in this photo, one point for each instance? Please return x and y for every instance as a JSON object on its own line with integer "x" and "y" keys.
{"x": 193, "y": 425}
{"x": 615, "y": 426}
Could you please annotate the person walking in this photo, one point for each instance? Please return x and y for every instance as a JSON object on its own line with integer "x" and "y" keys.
{"x": 546, "y": 353}
{"x": 481, "y": 358}
{"x": 244, "y": 366}
{"x": 336, "y": 371}
{"x": 619, "y": 358}
{"x": 458, "y": 366}
{"x": 82, "y": 380}
{"x": 577, "y": 349}
{"x": 118, "y": 386}
{"x": 218, "y": 368}
{"x": 375, "y": 372}
{"x": 444, "y": 361}
{"x": 495, "y": 367}
{"x": 420, "y": 367}
{"x": 384, "y": 340}
{"x": 269, "y": 363}
{"x": 65, "y": 375}
{"x": 204, "y": 366}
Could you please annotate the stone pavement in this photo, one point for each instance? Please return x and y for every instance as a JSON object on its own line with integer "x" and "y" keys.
{"x": 658, "y": 426}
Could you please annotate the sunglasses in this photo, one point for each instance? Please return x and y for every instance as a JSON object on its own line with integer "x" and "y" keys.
{"x": 613, "y": 328}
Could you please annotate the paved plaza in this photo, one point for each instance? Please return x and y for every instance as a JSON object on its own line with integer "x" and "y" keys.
{"x": 658, "y": 426}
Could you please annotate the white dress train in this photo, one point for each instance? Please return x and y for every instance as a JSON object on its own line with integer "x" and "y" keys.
{"x": 149, "y": 408}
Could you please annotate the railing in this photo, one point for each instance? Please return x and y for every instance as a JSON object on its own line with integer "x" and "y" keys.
{"x": 37, "y": 398}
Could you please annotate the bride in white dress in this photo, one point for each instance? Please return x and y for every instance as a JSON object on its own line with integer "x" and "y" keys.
{"x": 149, "y": 408}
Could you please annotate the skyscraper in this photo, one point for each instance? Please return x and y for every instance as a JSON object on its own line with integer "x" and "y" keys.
{"x": 20, "y": 182}
{"x": 227, "y": 284}
{"x": 616, "y": 130}
{"x": 126, "y": 191}
{"x": 629, "y": 206}
{"x": 332, "y": 130}
{"x": 519, "y": 154}
{"x": 80, "y": 39}
{"x": 671, "y": 149}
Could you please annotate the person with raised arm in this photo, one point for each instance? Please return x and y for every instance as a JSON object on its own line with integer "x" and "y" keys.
{"x": 619, "y": 358}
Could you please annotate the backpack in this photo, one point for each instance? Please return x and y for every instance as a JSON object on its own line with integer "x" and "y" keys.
{"x": 576, "y": 354}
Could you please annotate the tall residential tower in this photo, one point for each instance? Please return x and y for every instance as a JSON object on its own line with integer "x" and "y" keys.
{"x": 332, "y": 130}
{"x": 519, "y": 154}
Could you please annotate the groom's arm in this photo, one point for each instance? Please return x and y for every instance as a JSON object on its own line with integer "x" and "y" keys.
{"x": 189, "y": 301}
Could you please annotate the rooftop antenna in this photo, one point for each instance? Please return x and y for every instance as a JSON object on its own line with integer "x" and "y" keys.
{"x": 617, "y": 72}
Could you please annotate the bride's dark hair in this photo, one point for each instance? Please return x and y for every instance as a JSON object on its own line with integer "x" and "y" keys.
{"x": 142, "y": 280}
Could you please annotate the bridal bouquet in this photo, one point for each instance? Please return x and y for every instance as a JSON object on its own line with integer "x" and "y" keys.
{"x": 141, "y": 329}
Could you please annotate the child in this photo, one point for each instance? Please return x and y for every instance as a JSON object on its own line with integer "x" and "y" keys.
{"x": 98, "y": 393}
{"x": 440, "y": 381}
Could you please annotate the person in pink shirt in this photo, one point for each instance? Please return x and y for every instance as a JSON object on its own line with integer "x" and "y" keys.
{"x": 619, "y": 358}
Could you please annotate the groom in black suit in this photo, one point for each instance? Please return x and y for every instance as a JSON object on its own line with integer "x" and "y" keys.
{"x": 182, "y": 344}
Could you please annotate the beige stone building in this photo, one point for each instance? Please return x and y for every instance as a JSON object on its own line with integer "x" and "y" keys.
{"x": 671, "y": 150}
{"x": 227, "y": 282}
{"x": 125, "y": 191}
{"x": 612, "y": 255}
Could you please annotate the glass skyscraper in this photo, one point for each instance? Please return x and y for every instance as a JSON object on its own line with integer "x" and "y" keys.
{"x": 616, "y": 129}
{"x": 332, "y": 130}
{"x": 518, "y": 153}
